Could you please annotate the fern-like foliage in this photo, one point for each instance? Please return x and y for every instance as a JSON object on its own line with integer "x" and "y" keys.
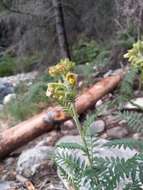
{"x": 136, "y": 185}
{"x": 133, "y": 119}
{"x": 125, "y": 143}
{"x": 102, "y": 173}
{"x": 71, "y": 167}
{"x": 116, "y": 170}
{"x": 74, "y": 146}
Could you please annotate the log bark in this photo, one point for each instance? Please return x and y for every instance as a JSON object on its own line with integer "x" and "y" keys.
{"x": 15, "y": 137}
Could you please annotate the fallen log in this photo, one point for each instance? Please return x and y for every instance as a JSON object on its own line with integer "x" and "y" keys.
{"x": 15, "y": 137}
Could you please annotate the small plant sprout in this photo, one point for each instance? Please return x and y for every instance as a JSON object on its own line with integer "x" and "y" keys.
{"x": 64, "y": 92}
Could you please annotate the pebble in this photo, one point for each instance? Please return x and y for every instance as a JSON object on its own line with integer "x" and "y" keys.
{"x": 99, "y": 103}
{"x": 68, "y": 124}
{"x": 8, "y": 98}
{"x": 137, "y": 136}
{"x": 137, "y": 101}
{"x": 117, "y": 132}
{"x": 97, "y": 127}
{"x": 111, "y": 121}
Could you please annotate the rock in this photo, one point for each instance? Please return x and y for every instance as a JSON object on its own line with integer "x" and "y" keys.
{"x": 8, "y": 185}
{"x": 137, "y": 136}
{"x": 8, "y": 98}
{"x": 104, "y": 136}
{"x": 9, "y": 161}
{"x": 99, "y": 103}
{"x": 137, "y": 101}
{"x": 111, "y": 121}
{"x": 48, "y": 140}
{"x": 97, "y": 127}
{"x": 32, "y": 159}
{"x": 117, "y": 132}
{"x": 68, "y": 139}
{"x": 68, "y": 124}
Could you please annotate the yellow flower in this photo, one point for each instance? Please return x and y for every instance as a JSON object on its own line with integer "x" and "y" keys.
{"x": 71, "y": 78}
{"x": 64, "y": 66}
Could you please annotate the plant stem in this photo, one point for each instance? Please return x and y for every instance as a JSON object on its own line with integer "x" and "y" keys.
{"x": 79, "y": 127}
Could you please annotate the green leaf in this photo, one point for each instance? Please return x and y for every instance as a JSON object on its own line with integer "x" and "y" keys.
{"x": 125, "y": 143}
{"x": 72, "y": 146}
{"x": 133, "y": 119}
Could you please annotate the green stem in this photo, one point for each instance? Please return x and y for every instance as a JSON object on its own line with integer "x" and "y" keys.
{"x": 79, "y": 127}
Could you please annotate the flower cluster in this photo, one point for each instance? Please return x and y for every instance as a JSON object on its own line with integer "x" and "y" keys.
{"x": 135, "y": 55}
{"x": 62, "y": 68}
{"x": 64, "y": 90}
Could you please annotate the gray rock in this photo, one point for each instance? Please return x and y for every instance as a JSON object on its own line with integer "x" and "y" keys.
{"x": 137, "y": 136}
{"x": 99, "y": 103}
{"x": 30, "y": 160}
{"x": 68, "y": 139}
{"x": 9, "y": 161}
{"x": 117, "y": 132}
{"x": 97, "y": 127}
{"x": 68, "y": 124}
{"x": 8, "y": 98}
{"x": 137, "y": 101}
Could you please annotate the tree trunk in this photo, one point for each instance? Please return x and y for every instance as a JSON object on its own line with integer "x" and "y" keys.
{"x": 24, "y": 132}
{"x": 60, "y": 29}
